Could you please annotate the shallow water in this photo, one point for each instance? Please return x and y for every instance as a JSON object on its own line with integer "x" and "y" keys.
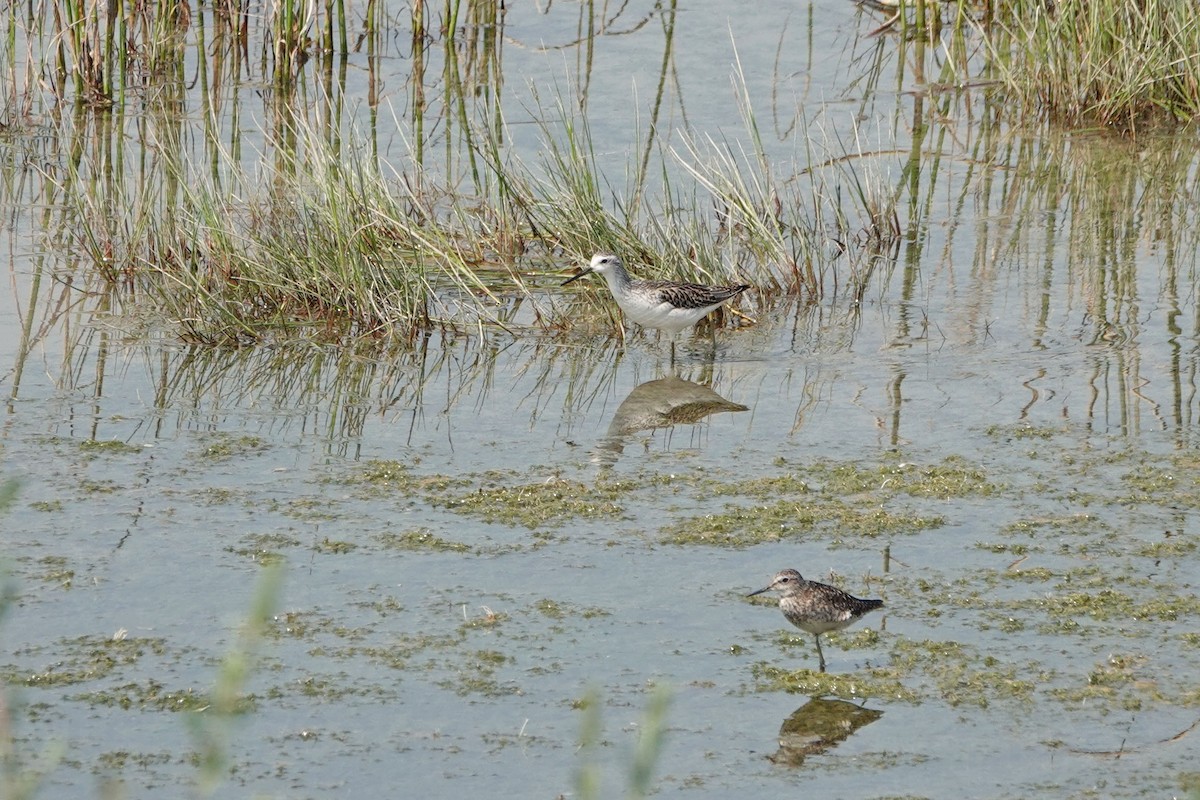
{"x": 382, "y": 661}
{"x": 998, "y": 440}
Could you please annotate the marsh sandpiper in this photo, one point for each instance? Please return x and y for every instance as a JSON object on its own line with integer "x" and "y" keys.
{"x": 816, "y": 607}
{"x": 669, "y": 306}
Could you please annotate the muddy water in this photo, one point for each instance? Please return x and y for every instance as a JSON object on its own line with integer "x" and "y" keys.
{"x": 998, "y": 438}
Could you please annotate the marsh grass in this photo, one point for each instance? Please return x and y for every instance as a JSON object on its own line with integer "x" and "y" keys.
{"x": 95, "y": 52}
{"x": 1079, "y": 63}
{"x": 1114, "y": 63}
{"x": 330, "y": 242}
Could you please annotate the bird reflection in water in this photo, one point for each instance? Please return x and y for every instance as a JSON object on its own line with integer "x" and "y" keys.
{"x": 817, "y": 726}
{"x": 661, "y": 403}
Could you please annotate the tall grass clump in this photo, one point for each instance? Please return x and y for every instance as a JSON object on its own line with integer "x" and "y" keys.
{"x": 819, "y": 234}
{"x": 96, "y": 47}
{"x": 329, "y": 241}
{"x": 1116, "y": 63}
{"x": 563, "y": 200}
{"x": 721, "y": 209}
{"x": 101, "y": 54}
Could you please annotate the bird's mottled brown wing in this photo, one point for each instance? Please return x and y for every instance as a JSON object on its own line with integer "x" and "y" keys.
{"x": 835, "y": 597}
{"x": 694, "y": 295}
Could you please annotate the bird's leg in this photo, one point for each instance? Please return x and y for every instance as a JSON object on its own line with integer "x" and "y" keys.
{"x": 820, "y": 655}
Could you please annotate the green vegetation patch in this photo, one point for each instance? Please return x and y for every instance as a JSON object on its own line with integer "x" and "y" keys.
{"x": 55, "y": 570}
{"x": 385, "y": 606}
{"x": 1007, "y": 547}
{"x": 379, "y": 478}
{"x": 488, "y": 619}
{"x": 953, "y": 477}
{"x": 765, "y": 488}
{"x": 264, "y": 547}
{"x": 963, "y": 675}
{"x": 883, "y": 684}
{"x": 86, "y": 658}
{"x": 550, "y": 502}
{"x": 1111, "y": 604}
{"x": 99, "y": 487}
{"x": 557, "y": 609}
{"x": 121, "y": 760}
{"x": 1021, "y": 430}
{"x": 1076, "y": 524}
{"x": 783, "y": 519}
{"x": 331, "y": 688}
{"x": 858, "y": 639}
{"x": 222, "y": 446}
{"x": 307, "y": 509}
{"x": 154, "y": 696}
{"x": 109, "y": 446}
{"x": 221, "y": 496}
{"x": 334, "y": 547}
{"x": 844, "y": 498}
{"x": 478, "y": 676}
{"x": 816, "y": 498}
{"x": 1176, "y": 484}
{"x": 1027, "y": 575}
{"x": 422, "y": 540}
{"x": 1173, "y": 545}
{"x": 1115, "y": 682}
{"x": 297, "y": 625}
{"x": 396, "y": 655}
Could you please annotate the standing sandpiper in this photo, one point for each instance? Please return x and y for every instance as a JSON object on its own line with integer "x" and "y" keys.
{"x": 666, "y": 305}
{"x": 816, "y": 607}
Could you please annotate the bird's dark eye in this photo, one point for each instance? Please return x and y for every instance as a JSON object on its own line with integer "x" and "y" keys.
{"x": 784, "y": 579}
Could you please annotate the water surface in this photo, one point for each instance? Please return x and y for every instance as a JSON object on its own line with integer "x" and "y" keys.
{"x": 997, "y": 437}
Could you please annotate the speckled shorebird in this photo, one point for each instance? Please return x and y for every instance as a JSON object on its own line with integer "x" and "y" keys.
{"x": 666, "y": 305}
{"x": 816, "y": 607}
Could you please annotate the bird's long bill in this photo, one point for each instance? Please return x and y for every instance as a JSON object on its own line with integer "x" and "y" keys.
{"x": 586, "y": 271}
{"x": 760, "y": 591}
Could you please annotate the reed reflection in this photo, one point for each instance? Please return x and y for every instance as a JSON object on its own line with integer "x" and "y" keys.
{"x": 332, "y": 392}
{"x": 433, "y": 384}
